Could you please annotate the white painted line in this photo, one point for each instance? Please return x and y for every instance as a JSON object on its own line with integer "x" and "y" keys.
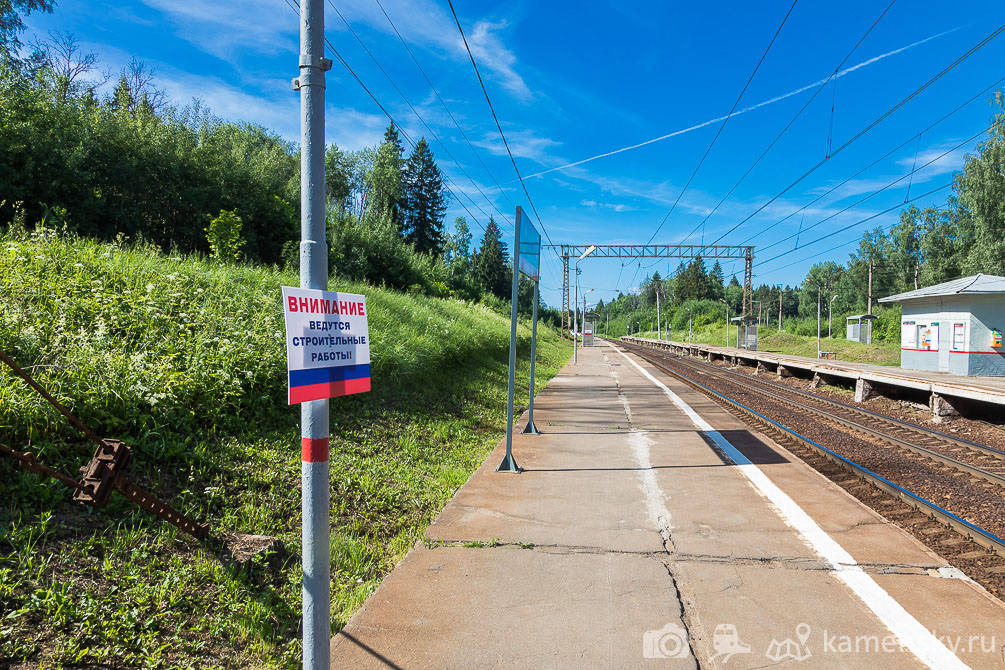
{"x": 914, "y": 636}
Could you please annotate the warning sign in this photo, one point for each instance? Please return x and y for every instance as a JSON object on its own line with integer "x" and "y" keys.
{"x": 327, "y": 344}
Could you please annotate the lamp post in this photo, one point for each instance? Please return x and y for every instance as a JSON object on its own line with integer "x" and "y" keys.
{"x": 727, "y": 319}
{"x": 830, "y": 310}
{"x": 575, "y": 324}
{"x": 688, "y": 324}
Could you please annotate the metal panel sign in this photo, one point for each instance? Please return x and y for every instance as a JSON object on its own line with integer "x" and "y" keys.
{"x": 530, "y": 246}
{"x": 327, "y": 344}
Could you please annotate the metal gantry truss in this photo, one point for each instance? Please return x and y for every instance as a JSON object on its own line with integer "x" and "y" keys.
{"x": 642, "y": 251}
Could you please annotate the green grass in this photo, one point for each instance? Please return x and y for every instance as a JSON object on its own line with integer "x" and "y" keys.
{"x": 184, "y": 359}
{"x": 880, "y": 353}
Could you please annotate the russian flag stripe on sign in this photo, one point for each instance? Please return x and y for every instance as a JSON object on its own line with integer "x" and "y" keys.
{"x": 328, "y": 390}
{"x": 341, "y": 373}
{"x": 321, "y": 383}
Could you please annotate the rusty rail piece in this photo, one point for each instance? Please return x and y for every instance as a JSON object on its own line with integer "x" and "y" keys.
{"x": 105, "y": 471}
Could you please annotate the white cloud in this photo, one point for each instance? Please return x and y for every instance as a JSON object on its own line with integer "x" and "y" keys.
{"x": 617, "y": 207}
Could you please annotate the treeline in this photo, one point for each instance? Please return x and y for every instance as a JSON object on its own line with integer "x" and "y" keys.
{"x": 928, "y": 246}
{"x": 109, "y": 157}
{"x": 128, "y": 164}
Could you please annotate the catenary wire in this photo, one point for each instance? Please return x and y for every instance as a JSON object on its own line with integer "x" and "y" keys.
{"x": 723, "y": 124}
{"x": 294, "y": 5}
{"x": 867, "y": 128}
{"x": 793, "y": 120}
{"x": 444, "y": 104}
{"x": 499, "y": 127}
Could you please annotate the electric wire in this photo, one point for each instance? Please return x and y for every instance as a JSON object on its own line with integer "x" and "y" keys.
{"x": 877, "y": 192}
{"x": 444, "y": 104}
{"x": 869, "y": 127}
{"x": 724, "y": 121}
{"x": 788, "y": 125}
{"x": 294, "y": 5}
{"x": 850, "y": 226}
{"x": 875, "y": 162}
{"x": 417, "y": 115}
{"x": 495, "y": 118}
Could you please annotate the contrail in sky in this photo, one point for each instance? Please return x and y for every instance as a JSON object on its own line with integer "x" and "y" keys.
{"x": 747, "y": 109}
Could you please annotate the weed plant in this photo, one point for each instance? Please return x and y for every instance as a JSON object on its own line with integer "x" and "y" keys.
{"x": 184, "y": 359}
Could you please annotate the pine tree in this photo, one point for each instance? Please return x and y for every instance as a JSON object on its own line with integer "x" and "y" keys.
{"x": 425, "y": 201}
{"x": 387, "y": 179}
{"x": 716, "y": 279}
{"x": 490, "y": 262}
{"x": 122, "y": 98}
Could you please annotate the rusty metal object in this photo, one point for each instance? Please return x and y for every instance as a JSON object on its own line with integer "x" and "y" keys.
{"x": 104, "y": 473}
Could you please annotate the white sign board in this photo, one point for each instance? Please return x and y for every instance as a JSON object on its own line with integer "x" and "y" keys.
{"x": 327, "y": 344}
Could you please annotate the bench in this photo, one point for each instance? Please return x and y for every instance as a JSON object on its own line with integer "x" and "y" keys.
{"x": 832, "y": 355}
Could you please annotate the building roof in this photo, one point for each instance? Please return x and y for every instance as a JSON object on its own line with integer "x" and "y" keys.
{"x": 975, "y": 284}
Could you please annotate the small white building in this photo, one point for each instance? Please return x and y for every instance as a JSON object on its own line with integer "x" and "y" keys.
{"x": 954, "y": 327}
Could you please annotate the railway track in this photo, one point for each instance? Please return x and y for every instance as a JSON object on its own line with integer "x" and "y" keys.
{"x": 929, "y": 462}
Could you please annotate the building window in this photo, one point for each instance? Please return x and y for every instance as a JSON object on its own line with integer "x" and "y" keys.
{"x": 959, "y": 337}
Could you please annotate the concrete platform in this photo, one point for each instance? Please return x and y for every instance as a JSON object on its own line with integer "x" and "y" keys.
{"x": 947, "y": 393}
{"x": 651, "y": 529}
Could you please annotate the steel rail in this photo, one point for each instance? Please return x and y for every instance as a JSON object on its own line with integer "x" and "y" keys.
{"x": 898, "y": 423}
{"x": 972, "y": 470}
{"x": 979, "y": 535}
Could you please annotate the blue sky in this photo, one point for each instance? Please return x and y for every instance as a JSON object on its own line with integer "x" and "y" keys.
{"x": 572, "y": 80}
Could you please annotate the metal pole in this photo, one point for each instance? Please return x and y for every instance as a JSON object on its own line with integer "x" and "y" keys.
{"x": 689, "y": 326}
{"x": 575, "y": 320}
{"x": 659, "y": 325}
{"x": 818, "y": 322}
{"x": 314, "y": 434}
{"x": 508, "y": 463}
{"x": 530, "y": 427}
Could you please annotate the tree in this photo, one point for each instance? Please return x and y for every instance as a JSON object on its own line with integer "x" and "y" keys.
{"x": 716, "y": 278}
{"x": 425, "y": 201}
{"x": 457, "y": 251}
{"x": 386, "y": 179}
{"x": 490, "y": 262}
{"x": 10, "y": 21}
{"x": 67, "y": 64}
{"x": 981, "y": 189}
{"x": 733, "y": 295}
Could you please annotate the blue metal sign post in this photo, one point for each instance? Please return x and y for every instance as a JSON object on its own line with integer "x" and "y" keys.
{"x": 526, "y": 258}
{"x": 530, "y": 264}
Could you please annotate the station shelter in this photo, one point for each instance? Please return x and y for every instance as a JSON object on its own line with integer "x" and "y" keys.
{"x": 858, "y": 328}
{"x": 954, "y": 327}
{"x": 746, "y": 332}
{"x": 589, "y": 327}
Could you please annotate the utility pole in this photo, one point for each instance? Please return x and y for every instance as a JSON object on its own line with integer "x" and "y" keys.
{"x": 781, "y": 292}
{"x": 314, "y": 433}
{"x": 830, "y": 314}
{"x": 870, "y": 286}
{"x": 818, "y": 322}
{"x": 659, "y": 326}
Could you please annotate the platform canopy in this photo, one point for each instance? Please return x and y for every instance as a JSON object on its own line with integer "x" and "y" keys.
{"x": 975, "y": 284}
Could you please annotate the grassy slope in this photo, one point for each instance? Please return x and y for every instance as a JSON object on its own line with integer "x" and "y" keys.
{"x": 184, "y": 359}
{"x": 881, "y": 353}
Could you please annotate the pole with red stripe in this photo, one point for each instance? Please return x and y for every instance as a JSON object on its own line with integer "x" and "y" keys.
{"x": 314, "y": 275}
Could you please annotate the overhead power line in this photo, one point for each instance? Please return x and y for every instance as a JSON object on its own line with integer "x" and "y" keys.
{"x": 294, "y": 5}
{"x": 876, "y": 161}
{"x": 850, "y": 226}
{"x": 724, "y": 121}
{"x": 417, "y": 115}
{"x": 896, "y": 181}
{"x": 498, "y": 126}
{"x": 792, "y": 120}
{"x": 444, "y": 104}
{"x": 867, "y": 128}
